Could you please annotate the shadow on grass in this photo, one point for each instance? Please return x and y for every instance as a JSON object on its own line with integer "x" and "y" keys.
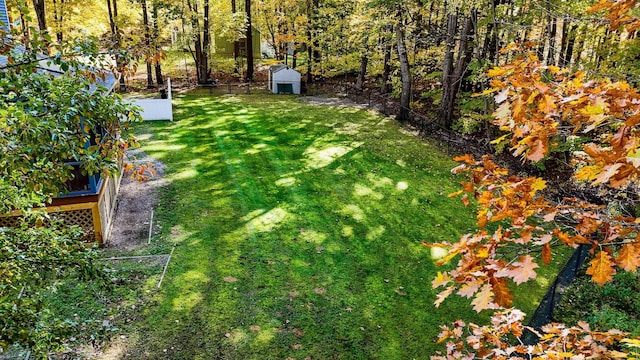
{"x": 298, "y": 234}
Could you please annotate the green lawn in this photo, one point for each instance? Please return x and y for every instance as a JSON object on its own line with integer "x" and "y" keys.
{"x": 298, "y": 234}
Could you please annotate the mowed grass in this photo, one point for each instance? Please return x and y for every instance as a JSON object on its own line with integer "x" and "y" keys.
{"x": 297, "y": 233}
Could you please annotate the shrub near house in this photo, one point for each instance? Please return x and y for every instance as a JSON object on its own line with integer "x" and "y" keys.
{"x": 48, "y": 116}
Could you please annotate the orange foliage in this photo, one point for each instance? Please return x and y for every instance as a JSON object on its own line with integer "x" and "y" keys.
{"x": 556, "y": 340}
{"x": 538, "y": 107}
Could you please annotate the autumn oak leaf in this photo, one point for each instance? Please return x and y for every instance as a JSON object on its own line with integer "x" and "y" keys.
{"x": 601, "y": 268}
{"x": 484, "y": 299}
{"x": 628, "y": 257}
{"x": 521, "y": 271}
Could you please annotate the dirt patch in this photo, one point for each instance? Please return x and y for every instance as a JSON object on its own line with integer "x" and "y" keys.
{"x": 136, "y": 201}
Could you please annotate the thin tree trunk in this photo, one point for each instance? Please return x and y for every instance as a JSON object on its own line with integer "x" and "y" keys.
{"x": 579, "y": 48}
{"x": 236, "y": 45}
{"x": 386, "y": 66}
{"x": 58, "y": 16}
{"x": 112, "y": 5}
{"x": 147, "y": 43}
{"x": 465, "y": 53}
{"x": 551, "y": 53}
{"x": 363, "y": 71}
{"x": 39, "y": 8}
{"x": 543, "y": 38}
{"x": 447, "y": 70}
{"x": 405, "y": 71}
{"x": 568, "y": 52}
{"x": 156, "y": 35}
{"x": 201, "y": 41}
{"x": 310, "y": 57}
{"x": 249, "y": 38}
{"x": 294, "y": 63}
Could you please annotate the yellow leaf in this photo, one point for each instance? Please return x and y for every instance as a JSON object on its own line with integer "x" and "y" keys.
{"x": 500, "y": 139}
{"x": 631, "y": 342}
{"x": 589, "y": 172}
{"x": 538, "y": 184}
{"x": 446, "y": 259}
{"x": 592, "y": 110}
{"x": 440, "y": 280}
{"x": 486, "y": 92}
{"x": 497, "y": 71}
{"x": 601, "y": 268}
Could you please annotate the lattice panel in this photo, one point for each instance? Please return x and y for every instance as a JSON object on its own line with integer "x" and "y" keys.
{"x": 82, "y": 218}
{"x": 10, "y": 221}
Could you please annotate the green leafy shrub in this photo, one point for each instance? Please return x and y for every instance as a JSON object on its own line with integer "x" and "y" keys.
{"x": 614, "y": 305}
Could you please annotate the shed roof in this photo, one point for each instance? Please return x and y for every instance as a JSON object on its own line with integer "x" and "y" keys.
{"x": 275, "y": 68}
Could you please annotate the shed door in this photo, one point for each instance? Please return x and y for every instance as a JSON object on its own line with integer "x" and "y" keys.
{"x": 284, "y": 88}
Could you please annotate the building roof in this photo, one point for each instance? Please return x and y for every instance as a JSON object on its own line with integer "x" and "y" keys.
{"x": 275, "y": 68}
{"x": 109, "y": 82}
{"x": 4, "y": 14}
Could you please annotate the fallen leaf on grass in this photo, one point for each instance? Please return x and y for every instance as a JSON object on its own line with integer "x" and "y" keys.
{"x": 230, "y": 279}
{"x": 293, "y": 293}
{"x": 400, "y": 291}
{"x": 254, "y": 328}
{"x": 320, "y": 291}
{"x": 296, "y": 346}
{"x": 298, "y": 332}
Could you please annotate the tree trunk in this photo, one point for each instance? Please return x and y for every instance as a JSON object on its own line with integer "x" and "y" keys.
{"x": 112, "y": 5}
{"x": 236, "y": 44}
{"x": 447, "y": 71}
{"x": 465, "y": 53}
{"x": 386, "y": 66}
{"x": 543, "y": 37}
{"x": 309, "y": 43}
{"x": 147, "y": 43}
{"x": 294, "y": 62}
{"x": 405, "y": 72}
{"x": 568, "y": 52}
{"x": 201, "y": 41}
{"x": 551, "y": 53}
{"x": 249, "y": 38}
{"x": 58, "y": 16}
{"x": 490, "y": 46}
{"x": 156, "y": 35}
{"x": 38, "y": 6}
{"x": 363, "y": 71}
{"x": 579, "y": 48}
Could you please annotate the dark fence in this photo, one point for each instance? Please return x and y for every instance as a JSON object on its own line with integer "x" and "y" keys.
{"x": 232, "y": 88}
{"x": 544, "y": 312}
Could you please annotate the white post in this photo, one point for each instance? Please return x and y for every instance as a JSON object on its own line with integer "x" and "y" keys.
{"x": 169, "y": 97}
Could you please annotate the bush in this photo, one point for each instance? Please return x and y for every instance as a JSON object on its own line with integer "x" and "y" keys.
{"x": 614, "y": 305}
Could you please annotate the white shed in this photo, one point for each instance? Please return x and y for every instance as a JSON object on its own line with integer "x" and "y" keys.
{"x": 284, "y": 80}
